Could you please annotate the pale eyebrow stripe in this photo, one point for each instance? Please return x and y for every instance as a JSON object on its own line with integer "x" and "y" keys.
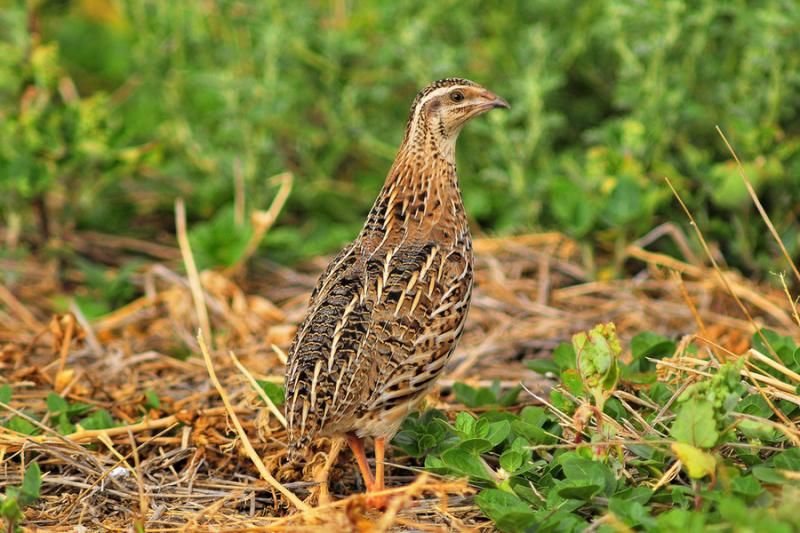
{"x": 433, "y": 94}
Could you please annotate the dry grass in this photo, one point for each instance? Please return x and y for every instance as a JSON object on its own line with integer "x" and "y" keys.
{"x": 196, "y": 463}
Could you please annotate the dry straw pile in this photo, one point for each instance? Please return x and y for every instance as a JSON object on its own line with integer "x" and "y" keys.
{"x": 198, "y": 448}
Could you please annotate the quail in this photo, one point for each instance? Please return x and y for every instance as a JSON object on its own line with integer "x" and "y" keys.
{"x": 390, "y": 308}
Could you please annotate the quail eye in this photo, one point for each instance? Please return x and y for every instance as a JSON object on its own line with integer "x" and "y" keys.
{"x": 456, "y": 96}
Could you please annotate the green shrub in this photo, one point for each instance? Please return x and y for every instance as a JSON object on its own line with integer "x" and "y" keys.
{"x": 607, "y": 98}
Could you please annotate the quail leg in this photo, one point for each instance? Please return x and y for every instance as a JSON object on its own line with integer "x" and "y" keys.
{"x": 379, "y": 452}
{"x": 357, "y": 445}
{"x": 379, "y": 502}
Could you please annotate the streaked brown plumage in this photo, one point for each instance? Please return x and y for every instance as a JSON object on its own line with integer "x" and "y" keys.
{"x": 388, "y": 311}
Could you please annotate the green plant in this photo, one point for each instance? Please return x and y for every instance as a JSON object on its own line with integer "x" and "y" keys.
{"x": 551, "y": 468}
{"x": 607, "y": 99}
{"x": 63, "y": 416}
{"x": 58, "y": 148}
{"x": 273, "y": 391}
{"x": 17, "y": 498}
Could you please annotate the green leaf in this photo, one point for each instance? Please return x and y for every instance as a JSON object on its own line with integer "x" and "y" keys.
{"x": 408, "y": 441}
{"x": 576, "y": 489}
{"x": 561, "y": 402}
{"x": 658, "y": 393}
{"x": 273, "y": 391}
{"x": 681, "y": 495}
{"x": 681, "y": 520}
{"x": 498, "y": 431}
{"x": 769, "y": 475}
{"x": 748, "y": 457}
{"x": 465, "y": 463}
{"x": 755, "y": 405}
{"x": 633, "y": 513}
{"x": 577, "y": 468}
{"x": 31, "y": 484}
{"x": 5, "y": 394}
{"x": 100, "y": 419}
{"x": 91, "y": 307}
{"x": 107, "y": 287}
{"x": 464, "y": 393}
{"x": 564, "y": 356}
{"x": 56, "y": 404}
{"x": 65, "y": 427}
{"x": 78, "y": 408}
{"x": 572, "y": 382}
{"x": 561, "y": 520}
{"x": 787, "y": 460}
{"x": 508, "y": 512}
{"x": 642, "y": 450}
{"x": 425, "y": 442}
{"x": 510, "y": 397}
{"x": 747, "y": 486}
{"x": 542, "y": 366}
{"x": 784, "y": 346}
{"x": 534, "y": 415}
{"x": 697, "y": 462}
{"x": 728, "y": 189}
{"x": 529, "y": 425}
{"x": 533, "y": 434}
{"x": 521, "y": 487}
{"x": 649, "y": 344}
{"x": 472, "y": 397}
{"x": 436, "y": 465}
{"x": 641, "y": 495}
{"x": 420, "y": 434}
{"x": 12, "y": 493}
{"x": 744, "y": 517}
{"x": 695, "y": 424}
{"x": 151, "y": 399}
{"x": 511, "y": 460}
{"x": 465, "y": 424}
{"x": 759, "y": 430}
{"x": 475, "y": 446}
{"x": 9, "y": 509}
{"x": 21, "y": 425}
{"x": 615, "y": 409}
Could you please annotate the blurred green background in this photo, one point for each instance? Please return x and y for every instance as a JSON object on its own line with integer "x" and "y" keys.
{"x": 111, "y": 109}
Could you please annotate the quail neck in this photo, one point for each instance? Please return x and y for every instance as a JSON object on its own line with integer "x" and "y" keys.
{"x": 422, "y": 182}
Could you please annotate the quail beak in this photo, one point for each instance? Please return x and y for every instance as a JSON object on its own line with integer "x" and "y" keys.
{"x": 493, "y": 101}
